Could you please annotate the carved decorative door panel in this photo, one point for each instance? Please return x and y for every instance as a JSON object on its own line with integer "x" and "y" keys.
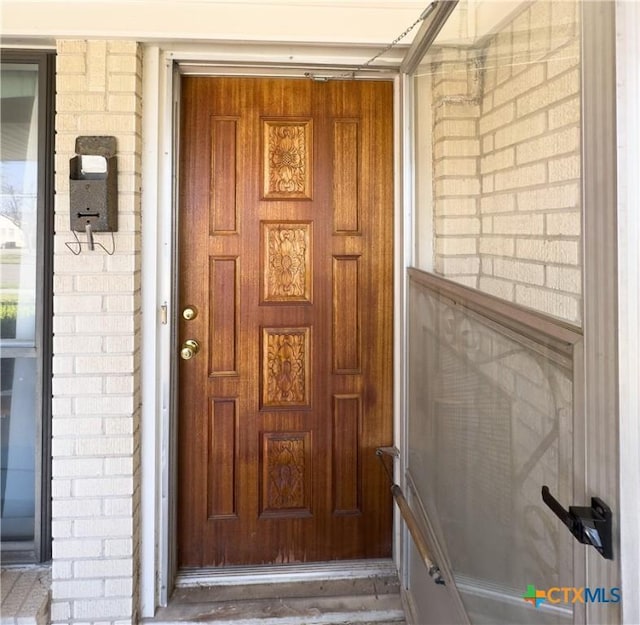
{"x": 286, "y": 231}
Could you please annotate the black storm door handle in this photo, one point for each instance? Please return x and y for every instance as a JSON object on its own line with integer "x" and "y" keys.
{"x": 591, "y": 526}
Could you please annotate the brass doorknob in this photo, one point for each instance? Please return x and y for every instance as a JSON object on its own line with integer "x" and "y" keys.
{"x": 189, "y": 349}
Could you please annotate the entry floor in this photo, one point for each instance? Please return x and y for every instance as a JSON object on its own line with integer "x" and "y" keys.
{"x": 347, "y": 592}
{"x": 26, "y": 595}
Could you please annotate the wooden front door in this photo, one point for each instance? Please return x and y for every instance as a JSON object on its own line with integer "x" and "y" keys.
{"x": 286, "y": 246}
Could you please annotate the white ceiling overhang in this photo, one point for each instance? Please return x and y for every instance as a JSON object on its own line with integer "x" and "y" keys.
{"x": 343, "y": 22}
{"x": 307, "y": 32}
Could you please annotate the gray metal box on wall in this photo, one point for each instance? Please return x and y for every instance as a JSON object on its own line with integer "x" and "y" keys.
{"x": 93, "y": 185}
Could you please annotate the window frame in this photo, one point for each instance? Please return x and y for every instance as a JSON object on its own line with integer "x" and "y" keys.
{"x": 39, "y": 550}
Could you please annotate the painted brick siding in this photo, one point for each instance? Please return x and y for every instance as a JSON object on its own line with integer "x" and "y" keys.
{"x": 456, "y": 151}
{"x": 96, "y": 362}
{"x": 506, "y": 145}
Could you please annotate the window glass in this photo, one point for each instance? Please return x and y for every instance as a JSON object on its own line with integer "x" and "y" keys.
{"x": 17, "y": 452}
{"x": 18, "y": 292}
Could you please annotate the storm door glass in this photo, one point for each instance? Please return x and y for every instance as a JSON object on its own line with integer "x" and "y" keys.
{"x": 18, "y": 290}
{"x": 498, "y": 146}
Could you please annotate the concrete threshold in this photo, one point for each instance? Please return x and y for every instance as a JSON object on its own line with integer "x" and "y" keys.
{"x": 353, "y": 592}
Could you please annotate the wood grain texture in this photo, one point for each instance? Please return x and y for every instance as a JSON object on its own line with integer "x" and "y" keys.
{"x": 286, "y": 474}
{"x": 286, "y": 272}
{"x": 286, "y": 370}
{"x": 346, "y": 161}
{"x": 222, "y": 459}
{"x": 347, "y": 480}
{"x": 347, "y": 315}
{"x": 223, "y": 206}
{"x": 286, "y": 159}
{"x": 307, "y": 485}
{"x": 223, "y": 314}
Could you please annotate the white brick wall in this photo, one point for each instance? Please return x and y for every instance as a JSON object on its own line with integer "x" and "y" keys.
{"x": 96, "y": 406}
{"x": 456, "y": 149}
{"x": 506, "y": 147}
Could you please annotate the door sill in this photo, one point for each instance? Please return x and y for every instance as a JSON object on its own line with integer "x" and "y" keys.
{"x": 284, "y": 573}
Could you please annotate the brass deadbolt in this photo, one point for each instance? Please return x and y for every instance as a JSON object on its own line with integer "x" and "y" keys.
{"x": 189, "y": 313}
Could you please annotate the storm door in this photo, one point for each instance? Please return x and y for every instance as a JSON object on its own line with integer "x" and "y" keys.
{"x": 499, "y": 319}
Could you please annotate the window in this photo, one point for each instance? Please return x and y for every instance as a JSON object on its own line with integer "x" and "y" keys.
{"x": 26, "y": 219}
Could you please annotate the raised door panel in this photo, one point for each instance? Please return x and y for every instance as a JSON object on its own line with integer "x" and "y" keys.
{"x": 222, "y": 459}
{"x": 346, "y": 315}
{"x": 223, "y": 316}
{"x": 347, "y": 479}
{"x": 286, "y": 474}
{"x": 223, "y": 206}
{"x": 287, "y": 262}
{"x": 287, "y": 169}
{"x": 346, "y": 151}
{"x": 286, "y": 368}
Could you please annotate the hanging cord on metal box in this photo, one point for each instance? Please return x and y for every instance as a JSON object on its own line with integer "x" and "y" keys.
{"x": 91, "y": 243}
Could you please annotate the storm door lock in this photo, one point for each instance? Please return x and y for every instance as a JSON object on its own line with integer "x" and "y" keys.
{"x": 590, "y": 526}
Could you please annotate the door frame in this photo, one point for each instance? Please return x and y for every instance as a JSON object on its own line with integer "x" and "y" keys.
{"x": 158, "y": 252}
{"x": 161, "y": 91}
{"x": 628, "y": 280}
